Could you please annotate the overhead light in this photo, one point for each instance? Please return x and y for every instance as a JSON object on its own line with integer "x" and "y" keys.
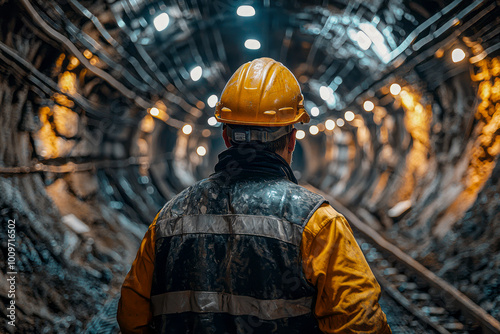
{"x": 329, "y": 124}
{"x": 340, "y": 122}
{"x": 196, "y": 73}
{"x": 457, "y": 55}
{"x": 212, "y": 121}
{"x": 314, "y": 111}
{"x": 363, "y": 40}
{"x": 300, "y": 134}
{"x": 154, "y": 111}
{"x": 325, "y": 93}
{"x": 395, "y": 89}
{"x": 252, "y": 44}
{"x": 201, "y": 150}
{"x": 161, "y": 21}
{"x": 349, "y": 116}
{"x": 245, "y": 11}
{"x": 375, "y": 36}
{"x": 353, "y": 35}
{"x": 74, "y": 62}
{"x": 368, "y": 105}
{"x": 187, "y": 129}
{"x": 212, "y": 100}
{"x": 313, "y": 129}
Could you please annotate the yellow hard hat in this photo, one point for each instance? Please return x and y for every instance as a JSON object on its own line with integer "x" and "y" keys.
{"x": 263, "y": 93}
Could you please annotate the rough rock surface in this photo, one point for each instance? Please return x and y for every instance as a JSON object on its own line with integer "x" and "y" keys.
{"x": 469, "y": 255}
{"x": 64, "y": 278}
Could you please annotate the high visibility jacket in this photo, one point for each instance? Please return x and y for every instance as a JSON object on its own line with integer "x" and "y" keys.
{"x": 258, "y": 255}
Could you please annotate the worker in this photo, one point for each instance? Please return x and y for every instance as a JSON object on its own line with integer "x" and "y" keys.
{"x": 248, "y": 250}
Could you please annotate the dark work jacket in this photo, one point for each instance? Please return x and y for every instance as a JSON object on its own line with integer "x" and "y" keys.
{"x": 228, "y": 258}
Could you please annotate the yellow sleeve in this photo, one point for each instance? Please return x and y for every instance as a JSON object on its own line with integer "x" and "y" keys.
{"x": 347, "y": 291}
{"x": 134, "y": 310}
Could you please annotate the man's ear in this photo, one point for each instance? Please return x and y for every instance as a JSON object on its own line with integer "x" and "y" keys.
{"x": 291, "y": 143}
{"x": 226, "y": 138}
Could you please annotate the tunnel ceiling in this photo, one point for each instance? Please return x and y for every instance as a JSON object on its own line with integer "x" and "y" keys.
{"x": 108, "y": 62}
{"x": 99, "y": 71}
{"x": 317, "y": 40}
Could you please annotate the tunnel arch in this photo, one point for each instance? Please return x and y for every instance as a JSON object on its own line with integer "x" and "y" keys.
{"x": 83, "y": 144}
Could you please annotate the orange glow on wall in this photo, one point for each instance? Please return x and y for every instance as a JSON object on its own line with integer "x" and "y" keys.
{"x": 417, "y": 122}
{"x": 46, "y": 137}
{"x": 486, "y": 147}
{"x": 59, "y": 122}
{"x": 147, "y": 124}
{"x": 67, "y": 82}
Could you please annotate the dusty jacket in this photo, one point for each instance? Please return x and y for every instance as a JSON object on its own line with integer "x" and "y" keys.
{"x": 250, "y": 255}
{"x": 227, "y": 258}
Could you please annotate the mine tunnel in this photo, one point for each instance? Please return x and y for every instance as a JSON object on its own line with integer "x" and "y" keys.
{"x": 107, "y": 113}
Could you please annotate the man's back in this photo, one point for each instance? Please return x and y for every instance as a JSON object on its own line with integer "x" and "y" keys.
{"x": 232, "y": 249}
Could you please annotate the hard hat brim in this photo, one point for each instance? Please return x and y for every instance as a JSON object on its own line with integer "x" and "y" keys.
{"x": 302, "y": 117}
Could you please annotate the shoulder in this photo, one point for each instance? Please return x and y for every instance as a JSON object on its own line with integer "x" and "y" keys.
{"x": 187, "y": 200}
{"x": 326, "y": 229}
{"x": 325, "y": 217}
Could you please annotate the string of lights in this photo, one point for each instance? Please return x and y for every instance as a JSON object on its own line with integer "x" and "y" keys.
{"x": 327, "y": 92}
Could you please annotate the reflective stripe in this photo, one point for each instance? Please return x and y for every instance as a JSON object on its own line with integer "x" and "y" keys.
{"x": 217, "y": 302}
{"x": 265, "y": 226}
